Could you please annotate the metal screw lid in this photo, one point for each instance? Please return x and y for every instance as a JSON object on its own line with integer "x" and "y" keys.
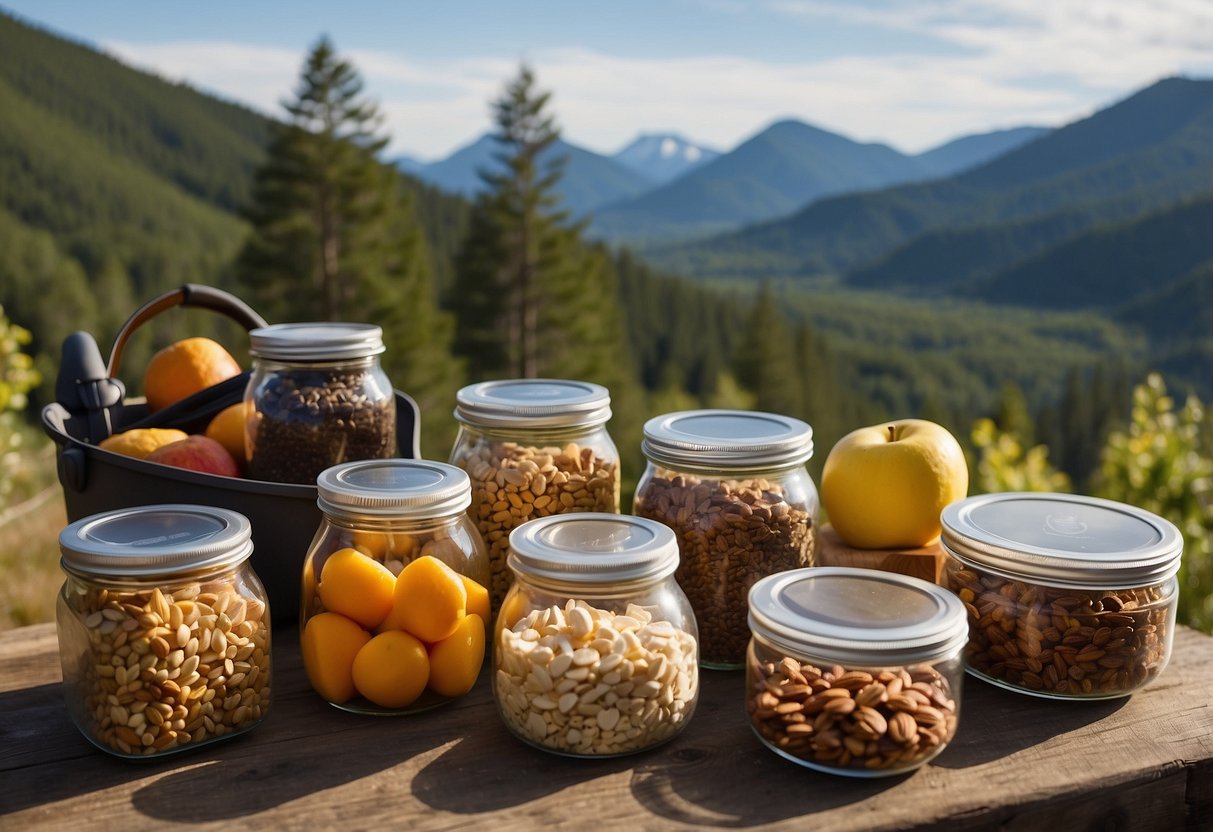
{"x": 533, "y": 402}
{"x": 1063, "y": 539}
{"x": 408, "y": 489}
{"x": 591, "y": 548}
{"x": 727, "y": 439}
{"x": 318, "y": 341}
{"x": 155, "y": 540}
{"x": 857, "y": 616}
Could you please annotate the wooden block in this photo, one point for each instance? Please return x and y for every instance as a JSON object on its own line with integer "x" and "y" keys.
{"x": 925, "y": 563}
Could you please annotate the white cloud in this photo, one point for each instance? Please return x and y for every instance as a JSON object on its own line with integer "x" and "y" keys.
{"x": 1016, "y": 62}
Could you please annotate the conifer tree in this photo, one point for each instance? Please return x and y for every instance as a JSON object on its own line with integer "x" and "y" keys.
{"x": 764, "y": 360}
{"x": 335, "y": 237}
{"x": 532, "y": 298}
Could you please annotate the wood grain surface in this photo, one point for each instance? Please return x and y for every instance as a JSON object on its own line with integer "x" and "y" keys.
{"x": 925, "y": 563}
{"x": 1139, "y": 763}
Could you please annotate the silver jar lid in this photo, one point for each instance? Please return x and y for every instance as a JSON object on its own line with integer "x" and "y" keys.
{"x": 591, "y": 548}
{"x": 727, "y": 439}
{"x": 380, "y": 489}
{"x": 318, "y": 341}
{"x": 852, "y": 616}
{"x": 155, "y": 540}
{"x": 1063, "y": 539}
{"x": 533, "y": 402}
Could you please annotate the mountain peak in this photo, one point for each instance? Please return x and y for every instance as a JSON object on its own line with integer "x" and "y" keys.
{"x": 662, "y": 157}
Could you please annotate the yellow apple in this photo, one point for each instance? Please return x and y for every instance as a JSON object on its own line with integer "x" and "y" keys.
{"x": 884, "y": 486}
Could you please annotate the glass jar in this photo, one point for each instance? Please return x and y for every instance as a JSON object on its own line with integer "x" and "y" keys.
{"x": 164, "y": 629}
{"x": 533, "y": 448}
{"x": 1068, "y": 597}
{"x": 317, "y": 397}
{"x": 854, "y": 671}
{"x": 595, "y": 647}
{"x": 733, "y": 487}
{"x": 395, "y": 607}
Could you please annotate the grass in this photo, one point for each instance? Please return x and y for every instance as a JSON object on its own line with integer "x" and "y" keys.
{"x": 29, "y": 532}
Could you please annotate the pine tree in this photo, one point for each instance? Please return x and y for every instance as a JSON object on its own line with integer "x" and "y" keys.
{"x": 765, "y": 358}
{"x": 335, "y": 237}
{"x": 532, "y": 299}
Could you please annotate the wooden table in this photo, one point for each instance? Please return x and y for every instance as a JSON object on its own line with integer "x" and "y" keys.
{"x": 1140, "y": 763}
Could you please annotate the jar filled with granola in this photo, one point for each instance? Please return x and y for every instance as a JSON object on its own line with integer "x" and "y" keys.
{"x": 533, "y": 448}
{"x": 395, "y": 604}
{"x": 1068, "y": 597}
{"x": 317, "y": 397}
{"x": 733, "y": 486}
{"x": 594, "y": 652}
{"x": 854, "y": 671}
{"x": 164, "y": 629}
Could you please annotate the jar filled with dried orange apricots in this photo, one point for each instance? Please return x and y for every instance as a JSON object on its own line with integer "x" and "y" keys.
{"x": 395, "y": 602}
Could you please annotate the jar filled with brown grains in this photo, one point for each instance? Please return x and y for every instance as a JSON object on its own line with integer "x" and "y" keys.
{"x": 379, "y": 518}
{"x": 164, "y": 630}
{"x": 533, "y": 448}
{"x": 854, "y": 671}
{"x": 317, "y": 397}
{"x": 733, "y": 486}
{"x": 595, "y": 649}
{"x": 1068, "y": 597}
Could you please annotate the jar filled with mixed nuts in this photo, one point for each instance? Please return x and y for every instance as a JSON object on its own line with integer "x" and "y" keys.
{"x": 164, "y": 630}
{"x": 594, "y": 653}
{"x": 854, "y": 671}
{"x": 533, "y": 448}
{"x": 317, "y": 397}
{"x": 395, "y": 604}
{"x": 1068, "y": 597}
{"x": 733, "y": 487}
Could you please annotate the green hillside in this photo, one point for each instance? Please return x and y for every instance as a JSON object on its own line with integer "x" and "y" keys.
{"x": 1109, "y": 266}
{"x": 1147, "y": 152}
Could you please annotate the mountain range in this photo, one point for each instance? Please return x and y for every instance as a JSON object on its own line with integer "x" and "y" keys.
{"x": 662, "y": 186}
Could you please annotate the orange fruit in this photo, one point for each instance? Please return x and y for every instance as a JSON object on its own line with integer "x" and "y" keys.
{"x": 329, "y": 644}
{"x": 357, "y": 586}
{"x": 184, "y": 368}
{"x": 227, "y": 428}
{"x": 141, "y": 441}
{"x": 430, "y": 599}
{"x": 455, "y": 661}
{"x": 391, "y": 669}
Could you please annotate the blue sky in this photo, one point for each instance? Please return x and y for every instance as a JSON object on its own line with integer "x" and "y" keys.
{"x": 911, "y": 74}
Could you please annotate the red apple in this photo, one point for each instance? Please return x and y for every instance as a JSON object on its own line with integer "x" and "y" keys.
{"x": 197, "y": 453}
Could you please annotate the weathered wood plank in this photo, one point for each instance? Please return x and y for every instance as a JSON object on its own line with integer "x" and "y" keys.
{"x": 925, "y": 563}
{"x": 1017, "y": 763}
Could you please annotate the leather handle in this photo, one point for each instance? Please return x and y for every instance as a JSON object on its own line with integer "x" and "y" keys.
{"x": 191, "y": 294}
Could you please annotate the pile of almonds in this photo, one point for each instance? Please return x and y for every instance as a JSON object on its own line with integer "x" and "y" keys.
{"x": 1060, "y": 641}
{"x": 157, "y": 670}
{"x": 880, "y": 720}
{"x": 730, "y": 534}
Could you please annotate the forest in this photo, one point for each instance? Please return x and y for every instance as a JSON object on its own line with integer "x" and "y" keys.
{"x": 116, "y": 185}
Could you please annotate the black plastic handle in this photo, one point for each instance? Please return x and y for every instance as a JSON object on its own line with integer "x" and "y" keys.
{"x": 191, "y": 294}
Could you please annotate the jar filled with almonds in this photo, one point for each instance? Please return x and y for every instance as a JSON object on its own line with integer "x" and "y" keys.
{"x": 395, "y": 605}
{"x": 164, "y": 630}
{"x": 1068, "y": 597}
{"x": 595, "y": 647}
{"x": 733, "y": 486}
{"x": 854, "y": 671}
{"x": 533, "y": 448}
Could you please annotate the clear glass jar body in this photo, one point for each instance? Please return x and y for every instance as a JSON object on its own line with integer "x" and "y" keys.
{"x": 361, "y": 604}
{"x": 165, "y": 663}
{"x": 733, "y": 528}
{"x": 304, "y": 417}
{"x": 595, "y": 672}
{"x": 1063, "y": 642}
{"x": 856, "y": 720}
{"x": 519, "y": 474}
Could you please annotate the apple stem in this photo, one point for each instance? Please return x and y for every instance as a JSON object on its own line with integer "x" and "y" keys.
{"x": 892, "y": 433}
